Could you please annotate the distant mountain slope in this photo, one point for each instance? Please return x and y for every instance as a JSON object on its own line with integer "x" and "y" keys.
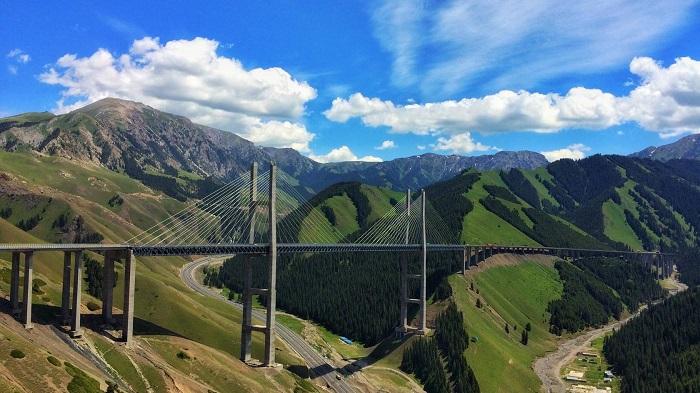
{"x": 173, "y": 154}
{"x": 599, "y": 202}
{"x": 685, "y": 148}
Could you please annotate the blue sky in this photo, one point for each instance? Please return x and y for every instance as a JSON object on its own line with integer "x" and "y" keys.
{"x": 337, "y": 80}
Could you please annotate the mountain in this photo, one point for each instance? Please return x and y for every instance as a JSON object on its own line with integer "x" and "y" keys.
{"x": 598, "y": 202}
{"x": 175, "y": 155}
{"x": 685, "y": 148}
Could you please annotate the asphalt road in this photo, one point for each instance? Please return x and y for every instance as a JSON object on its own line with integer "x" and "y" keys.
{"x": 319, "y": 365}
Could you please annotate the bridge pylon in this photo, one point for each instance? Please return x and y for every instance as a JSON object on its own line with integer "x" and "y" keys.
{"x": 403, "y": 322}
{"x": 270, "y": 293}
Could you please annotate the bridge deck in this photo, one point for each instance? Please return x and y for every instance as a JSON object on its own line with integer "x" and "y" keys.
{"x": 286, "y": 248}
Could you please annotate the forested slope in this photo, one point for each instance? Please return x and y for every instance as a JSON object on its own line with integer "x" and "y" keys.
{"x": 659, "y": 351}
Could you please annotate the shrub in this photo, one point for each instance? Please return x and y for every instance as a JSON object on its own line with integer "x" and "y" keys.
{"x": 17, "y": 354}
{"x": 54, "y": 361}
{"x": 92, "y": 306}
{"x": 183, "y": 355}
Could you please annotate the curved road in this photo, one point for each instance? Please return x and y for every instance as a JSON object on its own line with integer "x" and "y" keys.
{"x": 313, "y": 359}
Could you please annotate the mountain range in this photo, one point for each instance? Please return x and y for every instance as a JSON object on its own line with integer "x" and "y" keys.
{"x": 685, "y": 148}
{"x": 167, "y": 151}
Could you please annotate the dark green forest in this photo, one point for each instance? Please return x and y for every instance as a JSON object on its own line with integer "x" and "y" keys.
{"x": 659, "y": 351}
{"x": 586, "y": 301}
{"x": 352, "y": 294}
{"x": 422, "y": 359}
{"x": 633, "y": 282}
{"x": 432, "y": 359}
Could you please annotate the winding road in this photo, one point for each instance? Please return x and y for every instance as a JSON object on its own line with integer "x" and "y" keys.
{"x": 317, "y": 363}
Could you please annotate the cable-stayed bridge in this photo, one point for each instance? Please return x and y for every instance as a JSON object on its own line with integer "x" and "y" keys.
{"x": 267, "y": 214}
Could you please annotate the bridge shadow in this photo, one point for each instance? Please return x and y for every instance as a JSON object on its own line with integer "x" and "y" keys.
{"x": 50, "y": 315}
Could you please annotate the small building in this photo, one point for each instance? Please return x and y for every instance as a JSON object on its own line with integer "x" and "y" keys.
{"x": 575, "y": 376}
{"x": 588, "y": 389}
{"x": 346, "y": 340}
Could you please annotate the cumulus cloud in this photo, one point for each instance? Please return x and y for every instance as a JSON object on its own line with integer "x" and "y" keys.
{"x": 189, "y": 78}
{"x": 504, "y": 111}
{"x": 460, "y": 143}
{"x": 576, "y": 151}
{"x": 388, "y": 144}
{"x": 340, "y": 154}
{"x": 666, "y": 100}
{"x": 446, "y": 46}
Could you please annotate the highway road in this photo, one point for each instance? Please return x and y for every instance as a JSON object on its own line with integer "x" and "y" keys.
{"x": 312, "y": 358}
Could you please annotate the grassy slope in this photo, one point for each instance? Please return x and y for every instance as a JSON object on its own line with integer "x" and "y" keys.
{"x": 616, "y": 227}
{"x": 481, "y": 226}
{"x": 517, "y": 295}
{"x": 164, "y": 305}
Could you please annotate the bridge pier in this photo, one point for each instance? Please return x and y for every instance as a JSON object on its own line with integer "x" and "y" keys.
{"x": 247, "y": 326}
{"x": 75, "y": 330}
{"x": 423, "y": 329}
{"x": 272, "y": 273}
{"x": 128, "y": 307}
{"x": 65, "y": 294}
{"x": 27, "y": 300}
{"x": 14, "y": 284}
{"x": 108, "y": 287}
{"x": 403, "y": 321}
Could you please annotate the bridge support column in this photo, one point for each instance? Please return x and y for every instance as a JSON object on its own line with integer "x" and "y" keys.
{"x": 75, "y": 330}
{"x": 14, "y": 284}
{"x": 423, "y": 329}
{"x": 27, "y": 300}
{"x": 108, "y": 288}
{"x": 272, "y": 272}
{"x": 247, "y": 323}
{"x": 468, "y": 257}
{"x": 128, "y": 307}
{"x": 403, "y": 321}
{"x": 65, "y": 294}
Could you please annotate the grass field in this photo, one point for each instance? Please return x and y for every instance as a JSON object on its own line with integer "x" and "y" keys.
{"x": 481, "y": 226}
{"x": 514, "y": 295}
{"x": 616, "y": 227}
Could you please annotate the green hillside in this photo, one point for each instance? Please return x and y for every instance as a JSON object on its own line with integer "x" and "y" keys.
{"x": 514, "y": 295}
{"x": 53, "y": 192}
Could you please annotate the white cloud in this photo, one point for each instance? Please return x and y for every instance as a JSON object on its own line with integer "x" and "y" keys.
{"x": 420, "y": 147}
{"x": 451, "y": 45}
{"x": 576, "y": 151}
{"x": 398, "y": 25}
{"x": 667, "y": 101}
{"x": 342, "y": 153}
{"x": 460, "y": 143}
{"x": 19, "y": 55}
{"x": 189, "y": 78}
{"x": 388, "y": 144}
{"x": 12, "y": 69}
{"x": 504, "y": 111}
